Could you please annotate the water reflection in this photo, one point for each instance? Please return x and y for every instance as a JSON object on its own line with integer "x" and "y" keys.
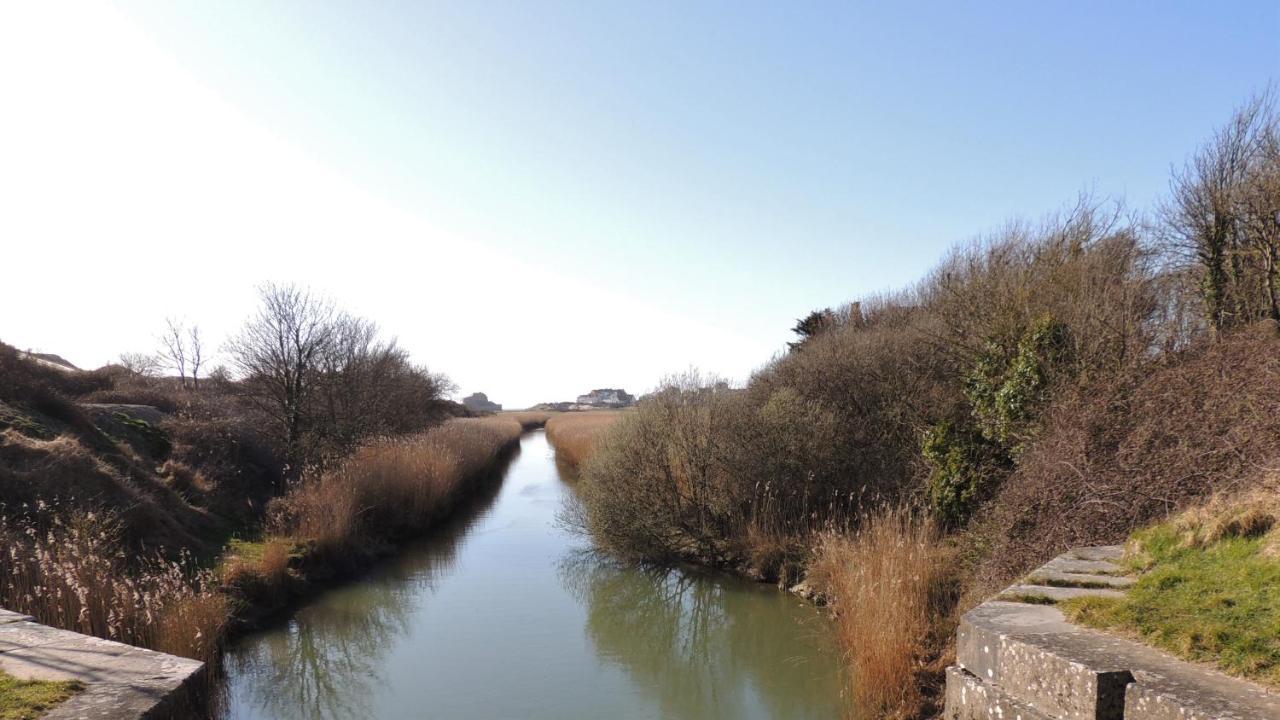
{"x": 691, "y": 639}
{"x": 501, "y": 615}
{"x": 328, "y": 663}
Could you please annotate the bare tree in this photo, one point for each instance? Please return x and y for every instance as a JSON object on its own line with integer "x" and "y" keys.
{"x": 144, "y": 364}
{"x": 173, "y": 346}
{"x": 279, "y": 352}
{"x": 1221, "y": 217}
{"x": 195, "y": 354}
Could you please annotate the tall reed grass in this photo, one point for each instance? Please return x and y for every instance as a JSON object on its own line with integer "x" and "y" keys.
{"x": 894, "y": 588}
{"x": 73, "y": 573}
{"x": 391, "y": 488}
{"x": 574, "y": 435}
{"x": 528, "y": 419}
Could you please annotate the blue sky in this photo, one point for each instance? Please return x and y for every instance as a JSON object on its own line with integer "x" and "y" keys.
{"x": 729, "y": 165}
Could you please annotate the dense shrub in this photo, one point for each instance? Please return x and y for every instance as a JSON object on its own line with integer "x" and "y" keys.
{"x": 1122, "y": 452}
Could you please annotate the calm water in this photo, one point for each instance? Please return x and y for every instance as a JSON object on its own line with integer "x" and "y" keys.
{"x": 508, "y": 615}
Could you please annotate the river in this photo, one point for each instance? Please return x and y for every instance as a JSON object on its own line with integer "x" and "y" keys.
{"x": 505, "y": 613}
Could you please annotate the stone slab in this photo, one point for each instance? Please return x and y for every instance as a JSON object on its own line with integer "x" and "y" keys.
{"x": 1051, "y": 593}
{"x": 1068, "y": 564}
{"x": 1041, "y": 660}
{"x": 1109, "y": 553}
{"x": 1166, "y": 688}
{"x": 968, "y": 698}
{"x": 1056, "y": 578}
{"x": 121, "y": 682}
{"x": 8, "y": 616}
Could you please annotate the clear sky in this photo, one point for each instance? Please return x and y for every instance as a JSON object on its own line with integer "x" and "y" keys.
{"x": 539, "y": 198}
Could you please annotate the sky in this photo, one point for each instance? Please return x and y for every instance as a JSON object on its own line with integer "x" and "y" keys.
{"x": 542, "y": 198}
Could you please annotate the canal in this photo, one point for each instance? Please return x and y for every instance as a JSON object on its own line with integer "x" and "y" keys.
{"x": 507, "y": 613}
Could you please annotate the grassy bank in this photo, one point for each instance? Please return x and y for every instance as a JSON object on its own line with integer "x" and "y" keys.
{"x": 1209, "y": 588}
{"x": 30, "y": 699}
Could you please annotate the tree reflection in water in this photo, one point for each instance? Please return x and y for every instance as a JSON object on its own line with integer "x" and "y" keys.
{"x": 329, "y": 663}
{"x": 689, "y": 639}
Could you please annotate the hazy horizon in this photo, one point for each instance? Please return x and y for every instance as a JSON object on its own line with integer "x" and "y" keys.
{"x": 540, "y": 200}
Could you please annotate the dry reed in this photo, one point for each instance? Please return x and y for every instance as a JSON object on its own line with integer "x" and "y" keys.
{"x": 392, "y": 487}
{"x": 893, "y": 586}
{"x": 74, "y": 574}
{"x": 574, "y": 435}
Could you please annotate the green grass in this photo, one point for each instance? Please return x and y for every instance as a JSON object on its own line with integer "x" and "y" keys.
{"x": 29, "y": 699}
{"x": 1217, "y": 604}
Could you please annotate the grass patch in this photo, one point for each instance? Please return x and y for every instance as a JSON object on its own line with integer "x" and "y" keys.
{"x": 1067, "y": 583}
{"x": 1217, "y": 602}
{"x": 29, "y": 699}
{"x": 1028, "y": 599}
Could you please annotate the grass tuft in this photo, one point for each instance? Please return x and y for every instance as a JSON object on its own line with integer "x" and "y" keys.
{"x": 30, "y": 699}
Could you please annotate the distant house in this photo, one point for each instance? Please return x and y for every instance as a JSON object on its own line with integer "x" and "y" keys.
{"x": 607, "y": 397}
{"x": 479, "y": 402}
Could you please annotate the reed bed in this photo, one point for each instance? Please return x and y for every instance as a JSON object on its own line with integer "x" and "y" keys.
{"x": 392, "y": 488}
{"x": 74, "y": 574}
{"x": 574, "y": 435}
{"x": 894, "y": 588}
{"x": 528, "y": 419}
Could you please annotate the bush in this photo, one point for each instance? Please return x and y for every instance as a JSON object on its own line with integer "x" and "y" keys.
{"x": 1123, "y": 451}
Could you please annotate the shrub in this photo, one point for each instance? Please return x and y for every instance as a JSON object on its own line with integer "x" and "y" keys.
{"x": 963, "y": 464}
{"x": 1124, "y": 451}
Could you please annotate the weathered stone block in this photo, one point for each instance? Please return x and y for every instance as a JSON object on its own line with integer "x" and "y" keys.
{"x": 969, "y": 698}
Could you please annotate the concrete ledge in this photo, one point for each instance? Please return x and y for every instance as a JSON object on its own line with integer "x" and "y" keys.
{"x": 1018, "y": 658}
{"x": 1035, "y": 656}
{"x": 969, "y": 698}
{"x": 121, "y": 682}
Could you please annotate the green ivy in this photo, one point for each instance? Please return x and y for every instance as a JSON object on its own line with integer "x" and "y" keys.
{"x": 960, "y": 459}
{"x": 1005, "y": 390}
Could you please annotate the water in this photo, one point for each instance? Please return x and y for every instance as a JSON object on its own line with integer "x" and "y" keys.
{"x": 506, "y": 614}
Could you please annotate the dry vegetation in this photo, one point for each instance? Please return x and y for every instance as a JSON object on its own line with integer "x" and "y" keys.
{"x": 391, "y": 488}
{"x": 73, "y": 574}
{"x": 574, "y": 434}
{"x": 1049, "y": 385}
{"x": 896, "y": 585}
{"x": 115, "y": 526}
{"x": 528, "y": 419}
